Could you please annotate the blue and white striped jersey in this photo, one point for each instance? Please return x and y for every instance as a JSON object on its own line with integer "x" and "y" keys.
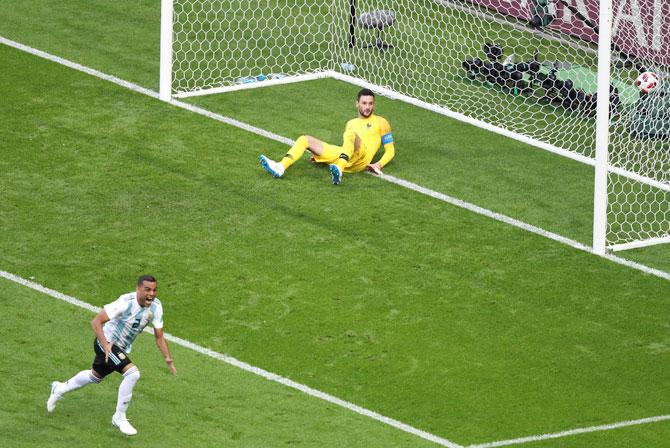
{"x": 127, "y": 319}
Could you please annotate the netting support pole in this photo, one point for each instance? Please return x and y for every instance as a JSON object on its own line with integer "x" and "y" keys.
{"x": 352, "y": 23}
{"x": 165, "y": 88}
{"x": 602, "y": 128}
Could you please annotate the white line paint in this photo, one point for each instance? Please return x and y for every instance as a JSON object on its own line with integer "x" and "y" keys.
{"x": 522, "y": 225}
{"x": 327, "y": 397}
{"x": 232, "y": 122}
{"x": 247, "y": 367}
{"x": 485, "y": 212}
{"x": 287, "y": 141}
{"x": 392, "y": 179}
{"x": 142, "y": 90}
{"x": 572, "y": 432}
{"x": 79, "y": 67}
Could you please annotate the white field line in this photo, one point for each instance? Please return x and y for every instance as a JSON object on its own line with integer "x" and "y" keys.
{"x": 571, "y": 432}
{"x": 81, "y": 68}
{"x": 247, "y": 367}
{"x": 522, "y": 225}
{"x": 288, "y": 141}
{"x": 142, "y": 90}
{"x": 329, "y": 398}
{"x": 392, "y": 179}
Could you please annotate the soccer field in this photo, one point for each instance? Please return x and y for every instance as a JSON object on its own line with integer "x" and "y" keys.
{"x": 467, "y": 328}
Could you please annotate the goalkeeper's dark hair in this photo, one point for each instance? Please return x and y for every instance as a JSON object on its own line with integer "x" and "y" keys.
{"x": 146, "y": 278}
{"x": 365, "y": 92}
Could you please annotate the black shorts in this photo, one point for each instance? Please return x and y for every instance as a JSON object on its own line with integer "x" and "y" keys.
{"x": 117, "y": 360}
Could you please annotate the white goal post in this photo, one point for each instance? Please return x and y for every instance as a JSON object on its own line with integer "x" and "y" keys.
{"x": 556, "y": 74}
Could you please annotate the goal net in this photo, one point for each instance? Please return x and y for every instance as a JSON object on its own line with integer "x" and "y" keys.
{"x": 524, "y": 68}
{"x": 639, "y": 207}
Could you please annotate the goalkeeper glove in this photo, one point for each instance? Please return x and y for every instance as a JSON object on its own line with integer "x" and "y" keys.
{"x": 376, "y": 168}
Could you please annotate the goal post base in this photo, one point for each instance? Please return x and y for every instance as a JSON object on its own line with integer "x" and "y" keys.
{"x": 639, "y": 244}
{"x": 256, "y": 84}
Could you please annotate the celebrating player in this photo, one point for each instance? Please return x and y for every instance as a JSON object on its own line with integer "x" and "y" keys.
{"x": 361, "y": 139}
{"x": 116, "y": 326}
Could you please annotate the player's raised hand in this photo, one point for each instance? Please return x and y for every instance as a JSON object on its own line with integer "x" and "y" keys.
{"x": 376, "y": 168}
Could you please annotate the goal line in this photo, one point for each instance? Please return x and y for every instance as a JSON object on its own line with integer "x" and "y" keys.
{"x": 267, "y": 134}
{"x": 543, "y": 73}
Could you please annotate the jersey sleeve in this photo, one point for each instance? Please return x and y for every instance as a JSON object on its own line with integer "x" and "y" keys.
{"x": 384, "y": 126}
{"x": 157, "y": 321}
{"x": 387, "y": 142}
{"x": 116, "y": 307}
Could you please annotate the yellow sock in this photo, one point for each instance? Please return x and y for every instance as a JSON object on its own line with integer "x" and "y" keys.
{"x": 348, "y": 147}
{"x": 296, "y": 151}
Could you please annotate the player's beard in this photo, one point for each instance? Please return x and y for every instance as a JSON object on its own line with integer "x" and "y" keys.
{"x": 362, "y": 113}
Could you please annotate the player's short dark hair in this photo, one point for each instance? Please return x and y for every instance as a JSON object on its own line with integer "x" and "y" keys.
{"x": 146, "y": 278}
{"x": 365, "y": 92}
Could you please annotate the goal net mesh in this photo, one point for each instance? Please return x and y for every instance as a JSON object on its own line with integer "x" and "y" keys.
{"x": 639, "y": 210}
{"x": 219, "y": 43}
{"x": 528, "y": 67}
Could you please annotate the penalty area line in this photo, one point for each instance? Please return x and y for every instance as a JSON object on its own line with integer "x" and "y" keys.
{"x": 247, "y": 367}
{"x": 572, "y": 432}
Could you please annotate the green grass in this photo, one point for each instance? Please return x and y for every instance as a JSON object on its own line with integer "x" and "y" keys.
{"x": 442, "y": 319}
{"x": 208, "y": 403}
{"x": 438, "y": 153}
{"x": 124, "y": 41}
{"x": 114, "y": 37}
{"x": 445, "y": 320}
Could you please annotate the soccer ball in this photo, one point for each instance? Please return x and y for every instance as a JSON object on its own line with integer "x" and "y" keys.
{"x": 647, "y": 82}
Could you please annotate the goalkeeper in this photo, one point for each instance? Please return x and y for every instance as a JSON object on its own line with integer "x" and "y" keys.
{"x": 361, "y": 139}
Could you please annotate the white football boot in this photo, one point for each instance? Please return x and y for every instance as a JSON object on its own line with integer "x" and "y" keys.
{"x": 124, "y": 426}
{"x": 53, "y": 397}
{"x": 272, "y": 167}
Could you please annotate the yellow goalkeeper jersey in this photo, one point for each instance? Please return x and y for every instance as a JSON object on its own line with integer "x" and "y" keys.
{"x": 373, "y": 132}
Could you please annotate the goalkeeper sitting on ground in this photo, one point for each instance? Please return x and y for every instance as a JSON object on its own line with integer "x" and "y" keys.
{"x": 361, "y": 139}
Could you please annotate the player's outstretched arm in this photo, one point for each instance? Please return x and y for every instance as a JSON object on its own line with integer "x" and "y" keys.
{"x": 389, "y": 153}
{"x": 163, "y": 347}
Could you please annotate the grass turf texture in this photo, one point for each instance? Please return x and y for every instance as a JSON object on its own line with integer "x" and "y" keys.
{"x": 444, "y": 155}
{"x": 448, "y": 321}
{"x": 209, "y": 403}
{"x": 455, "y": 159}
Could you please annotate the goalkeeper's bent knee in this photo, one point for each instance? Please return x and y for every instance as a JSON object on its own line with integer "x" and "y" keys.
{"x": 302, "y": 141}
